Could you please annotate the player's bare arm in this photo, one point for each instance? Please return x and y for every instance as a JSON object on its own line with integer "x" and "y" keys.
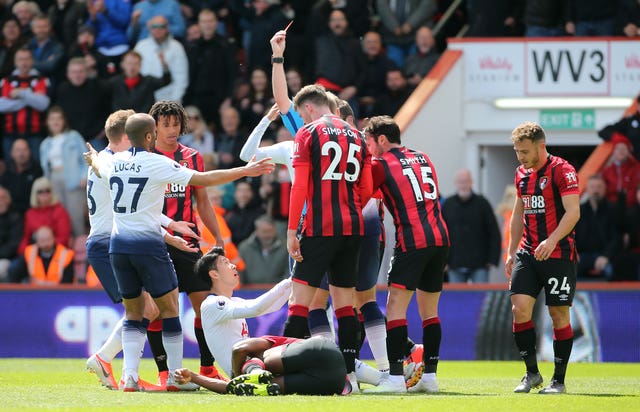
{"x": 516, "y": 229}
{"x": 184, "y": 228}
{"x": 205, "y": 210}
{"x": 571, "y": 204}
{"x": 218, "y": 177}
{"x": 246, "y": 349}
{"x": 184, "y": 375}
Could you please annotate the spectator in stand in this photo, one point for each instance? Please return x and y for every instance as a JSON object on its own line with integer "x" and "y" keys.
{"x": 397, "y": 93}
{"x": 294, "y": 81}
{"x": 339, "y": 60}
{"x": 12, "y": 41}
{"x": 48, "y": 53}
{"x": 241, "y": 217}
{"x": 23, "y": 99}
{"x": 259, "y": 100}
{"x": 266, "y": 18}
{"x": 597, "y": 236}
{"x": 45, "y": 210}
{"x": 400, "y": 20}
{"x": 191, "y": 9}
{"x": 592, "y": 17}
{"x": 629, "y": 127}
{"x": 420, "y": 62}
{"x": 63, "y": 164}
{"x": 627, "y": 266}
{"x": 110, "y": 19}
{"x": 193, "y": 33}
{"x": 630, "y": 18}
{"x": 542, "y": 18}
{"x": 84, "y": 46}
{"x": 492, "y": 18}
{"x": 376, "y": 66}
{"x": 47, "y": 262}
{"x": 212, "y": 69}
{"x": 474, "y": 233}
{"x": 132, "y": 90}
{"x": 22, "y": 171}
{"x": 229, "y": 142}
{"x": 10, "y": 233}
{"x": 357, "y": 13}
{"x": 146, "y": 10}
{"x": 199, "y": 136}
{"x": 25, "y": 11}
{"x": 208, "y": 240}
{"x": 265, "y": 255}
{"x": 87, "y": 118}
{"x": 622, "y": 174}
{"x": 159, "y": 47}
{"x": 66, "y": 16}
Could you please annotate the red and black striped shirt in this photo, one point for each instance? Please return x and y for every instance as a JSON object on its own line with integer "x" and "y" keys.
{"x": 541, "y": 192}
{"x": 409, "y": 185}
{"x": 26, "y": 122}
{"x": 336, "y": 155}
{"x": 178, "y": 199}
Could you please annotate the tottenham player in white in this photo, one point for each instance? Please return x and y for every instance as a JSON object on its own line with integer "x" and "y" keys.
{"x": 137, "y": 179}
{"x": 223, "y": 316}
{"x": 101, "y": 219}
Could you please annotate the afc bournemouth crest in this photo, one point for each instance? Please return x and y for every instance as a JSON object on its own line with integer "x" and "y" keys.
{"x": 543, "y": 182}
{"x": 184, "y": 163}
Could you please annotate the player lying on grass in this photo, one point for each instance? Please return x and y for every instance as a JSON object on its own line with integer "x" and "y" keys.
{"x": 269, "y": 365}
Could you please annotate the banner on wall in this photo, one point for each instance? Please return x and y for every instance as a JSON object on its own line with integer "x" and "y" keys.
{"x": 559, "y": 67}
{"x": 475, "y": 325}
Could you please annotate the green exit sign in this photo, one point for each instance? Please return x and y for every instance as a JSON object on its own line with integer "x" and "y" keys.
{"x": 568, "y": 119}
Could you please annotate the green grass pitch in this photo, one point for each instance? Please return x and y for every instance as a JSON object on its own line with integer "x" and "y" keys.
{"x": 63, "y": 384}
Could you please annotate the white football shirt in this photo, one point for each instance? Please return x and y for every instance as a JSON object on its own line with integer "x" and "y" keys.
{"x": 99, "y": 201}
{"x": 223, "y": 319}
{"x": 137, "y": 181}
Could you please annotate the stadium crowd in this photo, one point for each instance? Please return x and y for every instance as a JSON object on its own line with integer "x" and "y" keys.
{"x": 66, "y": 64}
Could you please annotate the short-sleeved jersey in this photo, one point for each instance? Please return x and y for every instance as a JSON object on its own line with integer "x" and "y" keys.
{"x": 541, "y": 192}
{"x": 409, "y": 186}
{"x": 224, "y": 324}
{"x": 336, "y": 155}
{"x": 178, "y": 199}
{"x": 98, "y": 202}
{"x": 137, "y": 179}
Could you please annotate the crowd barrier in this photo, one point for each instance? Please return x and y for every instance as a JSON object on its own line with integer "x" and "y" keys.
{"x": 72, "y": 322}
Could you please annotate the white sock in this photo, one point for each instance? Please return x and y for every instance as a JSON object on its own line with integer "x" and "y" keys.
{"x": 133, "y": 338}
{"x": 113, "y": 345}
{"x": 173, "y": 346}
{"x": 366, "y": 373}
{"x": 377, "y": 337}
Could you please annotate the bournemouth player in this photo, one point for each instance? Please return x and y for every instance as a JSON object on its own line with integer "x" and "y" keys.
{"x": 542, "y": 251}
{"x": 333, "y": 176}
{"x": 171, "y": 121}
{"x": 409, "y": 186}
{"x": 101, "y": 219}
{"x": 137, "y": 180}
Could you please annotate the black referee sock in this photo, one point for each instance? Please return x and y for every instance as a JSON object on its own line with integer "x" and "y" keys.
{"x": 525, "y": 337}
{"x": 396, "y": 345}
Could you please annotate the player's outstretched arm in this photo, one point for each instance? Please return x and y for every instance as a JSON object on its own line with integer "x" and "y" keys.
{"x": 184, "y": 228}
{"x": 248, "y": 348}
{"x": 184, "y": 375}
{"x": 91, "y": 157}
{"x": 251, "y": 147}
{"x": 218, "y": 177}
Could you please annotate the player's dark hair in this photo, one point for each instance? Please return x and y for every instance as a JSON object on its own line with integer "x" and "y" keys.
{"x": 345, "y": 110}
{"x": 383, "y": 125}
{"x": 312, "y": 93}
{"x": 528, "y": 131}
{"x": 169, "y": 108}
{"x": 207, "y": 262}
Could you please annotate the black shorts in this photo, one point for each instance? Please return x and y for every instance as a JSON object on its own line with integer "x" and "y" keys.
{"x": 313, "y": 366}
{"x": 337, "y": 256}
{"x": 184, "y": 263}
{"x": 556, "y": 276}
{"x": 419, "y": 268}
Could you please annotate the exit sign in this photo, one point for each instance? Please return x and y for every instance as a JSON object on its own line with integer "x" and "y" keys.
{"x": 568, "y": 119}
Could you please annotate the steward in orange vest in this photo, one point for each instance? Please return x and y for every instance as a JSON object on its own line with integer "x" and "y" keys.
{"x": 48, "y": 263}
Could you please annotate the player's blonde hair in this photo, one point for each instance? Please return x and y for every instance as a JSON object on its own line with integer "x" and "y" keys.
{"x": 528, "y": 131}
